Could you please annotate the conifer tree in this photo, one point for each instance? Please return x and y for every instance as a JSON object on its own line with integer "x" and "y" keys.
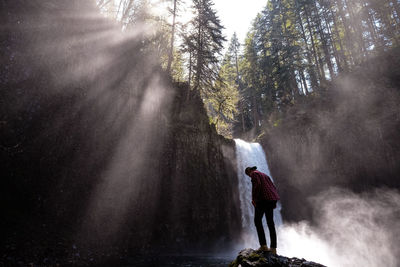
{"x": 174, "y": 13}
{"x": 234, "y": 57}
{"x": 294, "y": 48}
{"x": 222, "y": 102}
{"x": 206, "y": 41}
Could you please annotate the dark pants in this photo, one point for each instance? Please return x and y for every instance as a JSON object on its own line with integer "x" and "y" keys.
{"x": 266, "y": 207}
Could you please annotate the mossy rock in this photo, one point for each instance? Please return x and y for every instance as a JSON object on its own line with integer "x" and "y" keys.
{"x": 234, "y": 264}
{"x": 256, "y": 258}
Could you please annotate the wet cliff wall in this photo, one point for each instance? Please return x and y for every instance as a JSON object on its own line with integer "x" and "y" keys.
{"x": 98, "y": 146}
{"x": 201, "y": 184}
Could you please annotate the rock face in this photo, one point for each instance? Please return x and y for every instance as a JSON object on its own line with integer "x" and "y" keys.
{"x": 99, "y": 145}
{"x": 254, "y": 258}
{"x": 199, "y": 188}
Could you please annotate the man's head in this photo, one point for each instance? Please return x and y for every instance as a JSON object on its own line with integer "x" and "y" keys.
{"x": 249, "y": 170}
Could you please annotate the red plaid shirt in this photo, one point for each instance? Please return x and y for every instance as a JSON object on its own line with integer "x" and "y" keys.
{"x": 263, "y": 188}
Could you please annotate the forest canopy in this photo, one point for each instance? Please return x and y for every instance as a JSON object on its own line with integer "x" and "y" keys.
{"x": 293, "y": 50}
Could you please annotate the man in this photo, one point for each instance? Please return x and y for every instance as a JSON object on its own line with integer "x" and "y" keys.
{"x": 264, "y": 198}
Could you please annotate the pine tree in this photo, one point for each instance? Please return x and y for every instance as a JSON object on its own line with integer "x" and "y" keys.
{"x": 251, "y": 73}
{"x": 206, "y": 43}
{"x": 234, "y": 57}
{"x": 222, "y": 102}
{"x": 174, "y": 13}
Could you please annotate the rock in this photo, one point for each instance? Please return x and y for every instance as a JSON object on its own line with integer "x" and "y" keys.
{"x": 256, "y": 258}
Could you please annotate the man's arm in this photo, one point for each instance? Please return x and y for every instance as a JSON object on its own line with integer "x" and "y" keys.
{"x": 253, "y": 192}
{"x": 271, "y": 181}
{"x": 255, "y": 180}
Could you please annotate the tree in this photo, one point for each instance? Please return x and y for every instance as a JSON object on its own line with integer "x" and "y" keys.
{"x": 222, "y": 102}
{"x": 294, "y": 48}
{"x": 206, "y": 42}
{"x": 251, "y": 77}
{"x": 233, "y": 55}
{"x": 173, "y": 12}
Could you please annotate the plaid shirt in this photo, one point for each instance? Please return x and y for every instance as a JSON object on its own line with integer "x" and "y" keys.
{"x": 263, "y": 188}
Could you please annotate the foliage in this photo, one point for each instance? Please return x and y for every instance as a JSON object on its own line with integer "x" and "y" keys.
{"x": 293, "y": 50}
{"x": 206, "y": 42}
{"x": 296, "y": 47}
{"x": 222, "y": 101}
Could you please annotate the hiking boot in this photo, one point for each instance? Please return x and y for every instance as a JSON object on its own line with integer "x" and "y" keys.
{"x": 272, "y": 250}
{"x": 264, "y": 248}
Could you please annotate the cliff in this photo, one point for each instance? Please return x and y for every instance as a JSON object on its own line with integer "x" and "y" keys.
{"x": 200, "y": 188}
{"x": 100, "y": 150}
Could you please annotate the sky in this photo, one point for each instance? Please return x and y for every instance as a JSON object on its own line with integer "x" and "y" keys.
{"x": 237, "y": 15}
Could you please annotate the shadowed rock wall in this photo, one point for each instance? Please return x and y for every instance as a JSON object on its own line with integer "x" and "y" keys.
{"x": 98, "y": 146}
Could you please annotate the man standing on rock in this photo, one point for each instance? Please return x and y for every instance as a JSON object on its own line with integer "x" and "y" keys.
{"x": 264, "y": 198}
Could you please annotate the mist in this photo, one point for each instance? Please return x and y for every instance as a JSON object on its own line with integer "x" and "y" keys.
{"x": 335, "y": 162}
{"x": 350, "y": 229}
{"x": 104, "y": 153}
{"x": 345, "y": 139}
{"x": 98, "y": 105}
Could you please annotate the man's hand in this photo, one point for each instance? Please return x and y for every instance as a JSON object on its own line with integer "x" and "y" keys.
{"x": 254, "y": 203}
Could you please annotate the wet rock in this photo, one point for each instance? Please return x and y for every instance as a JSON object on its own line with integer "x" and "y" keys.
{"x": 255, "y": 258}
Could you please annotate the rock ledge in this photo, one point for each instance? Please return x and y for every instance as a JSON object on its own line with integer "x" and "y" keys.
{"x": 256, "y": 258}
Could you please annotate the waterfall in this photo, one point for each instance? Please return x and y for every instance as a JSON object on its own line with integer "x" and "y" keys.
{"x": 252, "y": 154}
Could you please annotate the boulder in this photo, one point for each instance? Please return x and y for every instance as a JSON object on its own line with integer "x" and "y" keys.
{"x": 256, "y": 258}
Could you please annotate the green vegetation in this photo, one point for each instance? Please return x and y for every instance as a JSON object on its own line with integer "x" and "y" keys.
{"x": 223, "y": 99}
{"x": 296, "y": 47}
{"x": 293, "y": 50}
{"x": 234, "y": 264}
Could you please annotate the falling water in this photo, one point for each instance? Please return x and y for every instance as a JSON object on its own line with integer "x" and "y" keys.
{"x": 251, "y": 154}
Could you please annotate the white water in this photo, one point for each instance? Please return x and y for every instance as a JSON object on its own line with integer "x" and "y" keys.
{"x": 340, "y": 238}
{"x": 248, "y": 155}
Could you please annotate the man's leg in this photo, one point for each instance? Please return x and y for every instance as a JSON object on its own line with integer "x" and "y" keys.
{"x": 269, "y": 213}
{"x": 258, "y": 215}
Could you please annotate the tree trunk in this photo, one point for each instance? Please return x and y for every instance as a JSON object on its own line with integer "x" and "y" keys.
{"x": 371, "y": 25}
{"x": 237, "y": 71}
{"x": 292, "y": 81}
{"x": 383, "y": 14}
{"x": 304, "y": 82}
{"x": 325, "y": 47}
{"x": 357, "y": 29}
{"x": 241, "y": 108}
{"x": 349, "y": 43}
{"x": 171, "y": 49}
{"x": 125, "y": 10}
{"x": 319, "y": 67}
{"x": 396, "y": 7}
{"x": 341, "y": 55}
{"x": 334, "y": 50}
{"x": 314, "y": 81}
{"x": 199, "y": 55}
{"x": 255, "y": 114}
{"x": 190, "y": 75}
